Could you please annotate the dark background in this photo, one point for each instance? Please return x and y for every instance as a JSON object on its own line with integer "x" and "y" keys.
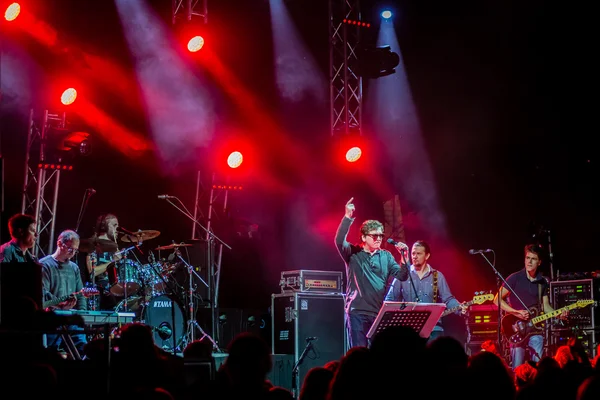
{"x": 500, "y": 91}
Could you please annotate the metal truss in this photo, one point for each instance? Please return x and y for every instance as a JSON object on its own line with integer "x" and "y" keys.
{"x": 188, "y": 9}
{"x": 345, "y": 85}
{"x": 41, "y": 184}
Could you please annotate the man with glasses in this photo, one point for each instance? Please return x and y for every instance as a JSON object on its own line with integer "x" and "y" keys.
{"x": 369, "y": 268}
{"x": 61, "y": 278}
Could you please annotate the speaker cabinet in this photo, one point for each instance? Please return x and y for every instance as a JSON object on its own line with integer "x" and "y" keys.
{"x": 308, "y": 323}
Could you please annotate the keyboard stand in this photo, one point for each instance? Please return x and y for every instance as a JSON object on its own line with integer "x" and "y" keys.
{"x": 68, "y": 341}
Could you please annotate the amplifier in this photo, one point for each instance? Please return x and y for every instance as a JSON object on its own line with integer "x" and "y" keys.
{"x": 587, "y": 337}
{"x": 564, "y": 293}
{"x": 306, "y": 280}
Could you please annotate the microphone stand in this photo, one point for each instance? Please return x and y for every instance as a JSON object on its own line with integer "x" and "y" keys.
{"x": 499, "y": 279}
{"x": 412, "y": 283}
{"x": 86, "y": 198}
{"x": 211, "y": 237}
{"x": 295, "y": 369}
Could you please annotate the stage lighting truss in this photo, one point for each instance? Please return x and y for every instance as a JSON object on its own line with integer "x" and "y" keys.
{"x": 49, "y": 145}
{"x": 188, "y": 10}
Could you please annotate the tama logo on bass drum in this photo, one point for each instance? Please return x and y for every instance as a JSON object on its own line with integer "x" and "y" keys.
{"x": 162, "y": 303}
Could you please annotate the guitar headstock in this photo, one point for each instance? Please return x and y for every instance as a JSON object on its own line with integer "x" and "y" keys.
{"x": 585, "y": 303}
{"x": 89, "y": 291}
{"x": 481, "y": 298}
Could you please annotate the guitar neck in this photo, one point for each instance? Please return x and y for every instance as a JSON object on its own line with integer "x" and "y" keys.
{"x": 454, "y": 309}
{"x": 54, "y": 302}
{"x": 553, "y": 314}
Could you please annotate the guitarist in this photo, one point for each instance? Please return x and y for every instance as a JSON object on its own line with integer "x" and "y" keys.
{"x": 60, "y": 278}
{"x": 425, "y": 285}
{"x": 533, "y": 289}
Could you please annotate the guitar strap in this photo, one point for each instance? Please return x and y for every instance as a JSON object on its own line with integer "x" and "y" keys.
{"x": 435, "y": 286}
{"x": 540, "y": 303}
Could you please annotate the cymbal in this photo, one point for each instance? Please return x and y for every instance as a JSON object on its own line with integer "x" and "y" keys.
{"x": 95, "y": 244}
{"x": 140, "y": 235}
{"x": 173, "y": 246}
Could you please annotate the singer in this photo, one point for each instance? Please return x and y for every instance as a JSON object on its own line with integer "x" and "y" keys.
{"x": 426, "y": 285}
{"x": 368, "y": 269}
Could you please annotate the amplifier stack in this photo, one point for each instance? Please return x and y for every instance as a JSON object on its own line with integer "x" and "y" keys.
{"x": 581, "y": 321}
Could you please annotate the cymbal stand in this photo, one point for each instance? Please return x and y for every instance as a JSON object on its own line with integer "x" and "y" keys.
{"x": 192, "y": 319}
{"x": 211, "y": 237}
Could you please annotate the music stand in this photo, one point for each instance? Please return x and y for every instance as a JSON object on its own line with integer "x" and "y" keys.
{"x": 422, "y": 317}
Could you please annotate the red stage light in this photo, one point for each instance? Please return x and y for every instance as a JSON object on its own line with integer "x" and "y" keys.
{"x": 68, "y": 96}
{"x": 235, "y": 159}
{"x": 12, "y": 12}
{"x": 195, "y": 44}
{"x": 353, "y": 154}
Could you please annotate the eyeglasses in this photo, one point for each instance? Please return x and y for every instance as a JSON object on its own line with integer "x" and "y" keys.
{"x": 375, "y": 236}
{"x": 73, "y": 251}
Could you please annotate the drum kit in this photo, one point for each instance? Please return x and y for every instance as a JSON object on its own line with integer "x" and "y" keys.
{"x": 149, "y": 290}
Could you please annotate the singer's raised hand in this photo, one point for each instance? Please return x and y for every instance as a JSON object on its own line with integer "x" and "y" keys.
{"x": 349, "y": 208}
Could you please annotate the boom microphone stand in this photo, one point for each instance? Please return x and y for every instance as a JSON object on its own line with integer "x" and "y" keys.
{"x": 499, "y": 279}
{"x": 213, "y": 300}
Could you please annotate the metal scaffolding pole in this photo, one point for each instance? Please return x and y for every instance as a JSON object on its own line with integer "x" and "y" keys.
{"x": 188, "y": 9}
{"x": 345, "y": 83}
{"x": 40, "y": 181}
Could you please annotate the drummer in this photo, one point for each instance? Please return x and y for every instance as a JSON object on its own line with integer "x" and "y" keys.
{"x": 104, "y": 245}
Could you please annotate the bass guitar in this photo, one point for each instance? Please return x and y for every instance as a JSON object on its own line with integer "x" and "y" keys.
{"x": 86, "y": 291}
{"x": 516, "y": 330}
{"x": 477, "y": 299}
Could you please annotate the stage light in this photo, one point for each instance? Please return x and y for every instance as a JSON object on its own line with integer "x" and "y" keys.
{"x": 353, "y": 154}
{"x": 375, "y": 62}
{"x": 12, "y": 12}
{"x": 68, "y": 96}
{"x": 235, "y": 159}
{"x": 195, "y": 44}
{"x": 387, "y": 14}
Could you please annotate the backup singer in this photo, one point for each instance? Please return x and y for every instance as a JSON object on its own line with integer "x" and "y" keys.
{"x": 426, "y": 285}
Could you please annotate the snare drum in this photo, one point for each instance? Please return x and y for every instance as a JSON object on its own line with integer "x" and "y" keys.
{"x": 128, "y": 278}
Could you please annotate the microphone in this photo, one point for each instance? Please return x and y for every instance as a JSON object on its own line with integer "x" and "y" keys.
{"x": 165, "y": 196}
{"x": 473, "y": 251}
{"x": 392, "y": 241}
{"x": 164, "y": 332}
{"x": 91, "y": 191}
{"x": 125, "y": 231}
{"x": 311, "y": 338}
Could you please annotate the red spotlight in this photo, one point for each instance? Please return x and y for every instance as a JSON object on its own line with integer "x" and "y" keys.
{"x": 235, "y": 159}
{"x": 353, "y": 154}
{"x": 68, "y": 96}
{"x": 195, "y": 44}
{"x": 12, "y": 12}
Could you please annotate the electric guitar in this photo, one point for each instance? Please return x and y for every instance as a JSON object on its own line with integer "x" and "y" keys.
{"x": 516, "y": 330}
{"x": 477, "y": 299}
{"x": 86, "y": 291}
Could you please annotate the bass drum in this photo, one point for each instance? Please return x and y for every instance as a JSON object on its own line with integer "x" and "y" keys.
{"x": 158, "y": 314}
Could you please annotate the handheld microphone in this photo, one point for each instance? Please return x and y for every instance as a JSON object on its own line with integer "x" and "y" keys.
{"x": 392, "y": 241}
{"x": 473, "y": 251}
{"x": 311, "y": 338}
{"x": 91, "y": 191}
{"x": 165, "y": 196}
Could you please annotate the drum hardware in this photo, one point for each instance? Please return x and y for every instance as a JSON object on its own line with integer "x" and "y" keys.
{"x": 173, "y": 246}
{"x": 211, "y": 238}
